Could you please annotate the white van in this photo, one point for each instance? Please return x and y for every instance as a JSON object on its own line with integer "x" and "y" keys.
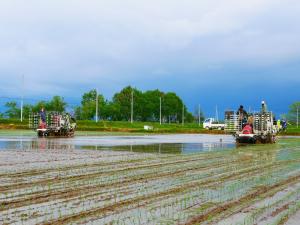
{"x": 211, "y": 123}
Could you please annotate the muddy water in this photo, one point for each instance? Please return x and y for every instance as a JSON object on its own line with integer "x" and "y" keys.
{"x": 185, "y": 143}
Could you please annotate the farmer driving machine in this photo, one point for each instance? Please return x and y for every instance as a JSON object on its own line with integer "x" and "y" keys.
{"x": 256, "y": 128}
{"x": 54, "y": 124}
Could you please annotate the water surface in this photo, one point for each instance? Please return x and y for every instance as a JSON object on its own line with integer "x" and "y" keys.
{"x": 179, "y": 143}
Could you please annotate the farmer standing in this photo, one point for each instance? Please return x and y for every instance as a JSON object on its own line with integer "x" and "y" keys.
{"x": 43, "y": 118}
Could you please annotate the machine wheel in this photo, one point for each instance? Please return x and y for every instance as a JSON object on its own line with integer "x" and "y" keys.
{"x": 40, "y": 134}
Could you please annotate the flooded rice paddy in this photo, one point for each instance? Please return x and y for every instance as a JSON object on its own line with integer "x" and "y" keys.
{"x": 172, "y": 144}
{"x": 161, "y": 179}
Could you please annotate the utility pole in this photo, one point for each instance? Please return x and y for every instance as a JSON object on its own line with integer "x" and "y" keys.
{"x": 160, "y": 110}
{"x": 22, "y": 97}
{"x": 96, "y": 106}
{"x": 182, "y": 114}
{"x": 199, "y": 115}
{"x": 297, "y": 115}
{"x": 131, "y": 117}
{"x": 217, "y": 115}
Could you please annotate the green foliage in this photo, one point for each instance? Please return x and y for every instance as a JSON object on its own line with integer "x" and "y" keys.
{"x": 150, "y": 110}
{"x": 87, "y": 110}
{"x": 57, "y": 103}
{"x": 27, "y": 109}
{"x": 292, "y": 114}
{"x": 13, "y": 110}
{"x": 172, "y": 109}
{"x": 189, "y": 118}
{"x": 196, "y": 115}
{"x": 122, "y": 101}
{"x": 146, "y": 106}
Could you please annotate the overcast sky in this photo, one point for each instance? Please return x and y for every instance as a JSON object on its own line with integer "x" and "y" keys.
{"x": 212, "y": 52}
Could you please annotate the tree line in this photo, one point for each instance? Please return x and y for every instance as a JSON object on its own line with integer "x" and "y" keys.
{"x": 293, "y": 116}
{"x": 146, "y": 106}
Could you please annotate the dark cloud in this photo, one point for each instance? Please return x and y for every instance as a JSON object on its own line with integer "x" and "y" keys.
{"x": 67, "y": 47}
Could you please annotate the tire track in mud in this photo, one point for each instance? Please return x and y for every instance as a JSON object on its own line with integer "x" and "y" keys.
{"x": 56, "y": 160}
{"x": 156, "y": 199}
{"x": 56, "y": 194}
{"x": 90, "y": 165}
{"x": 33, "y": 172}
{"x": 129, "y": 188}
{"x": 210, "y": 184}
{"x": 245, "y": 201}
{"x": 147, "y": 198}
{"x": 161, "y": 167}
{"x": 90, "y": 175}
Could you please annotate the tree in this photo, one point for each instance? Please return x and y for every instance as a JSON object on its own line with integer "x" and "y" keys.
{"x": 13, "y": 110}
{"x": 146, "y": 106}
{"x": 57, "y": 104}
{"x": 172, "y": 107}
{"x": 151, "y": 106}
{"x": 292, "y": 114}
{"x": 41, "y": 104}
{"x": 27, "y": 109}
{"x": 111, "y": 111}
{"x": 189, "y": 118}
{"x": 196, "y": 115}
{"x": 87, "y": 110}
{"x": 122, "y": 101}
{"x": 78, "y": 113}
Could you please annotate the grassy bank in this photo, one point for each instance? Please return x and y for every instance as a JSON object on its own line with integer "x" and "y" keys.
{"x": 118, "y": 126}
{"x": 136, "y": 127}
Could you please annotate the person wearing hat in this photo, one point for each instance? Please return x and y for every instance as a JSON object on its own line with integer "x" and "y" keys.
{"x": 42, "y": 118}
{"x": 242, "y": 112}
{"x": 243, "y": 115}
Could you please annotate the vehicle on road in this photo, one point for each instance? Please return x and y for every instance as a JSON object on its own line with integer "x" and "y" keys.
{"x": 211, "y": 123}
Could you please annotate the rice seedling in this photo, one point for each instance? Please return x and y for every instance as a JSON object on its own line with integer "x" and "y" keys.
{"x": 243, "y": 185}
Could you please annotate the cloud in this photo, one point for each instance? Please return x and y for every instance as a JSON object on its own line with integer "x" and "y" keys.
{"x": 60, "y": 45}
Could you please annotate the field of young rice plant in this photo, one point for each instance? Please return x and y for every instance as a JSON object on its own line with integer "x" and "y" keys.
{"x": 247, "y": 185}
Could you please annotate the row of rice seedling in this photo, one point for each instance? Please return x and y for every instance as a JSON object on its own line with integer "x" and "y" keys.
{"x": 138, "y": 188}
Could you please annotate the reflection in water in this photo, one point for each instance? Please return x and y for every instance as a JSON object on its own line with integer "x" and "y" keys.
{"x": 178, "y": 147}
{"x": 55, "y": 143}
{"x": 35, "y": 143}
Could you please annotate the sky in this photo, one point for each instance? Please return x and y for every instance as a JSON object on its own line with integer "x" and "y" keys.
{"x": 210, "y": 52}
